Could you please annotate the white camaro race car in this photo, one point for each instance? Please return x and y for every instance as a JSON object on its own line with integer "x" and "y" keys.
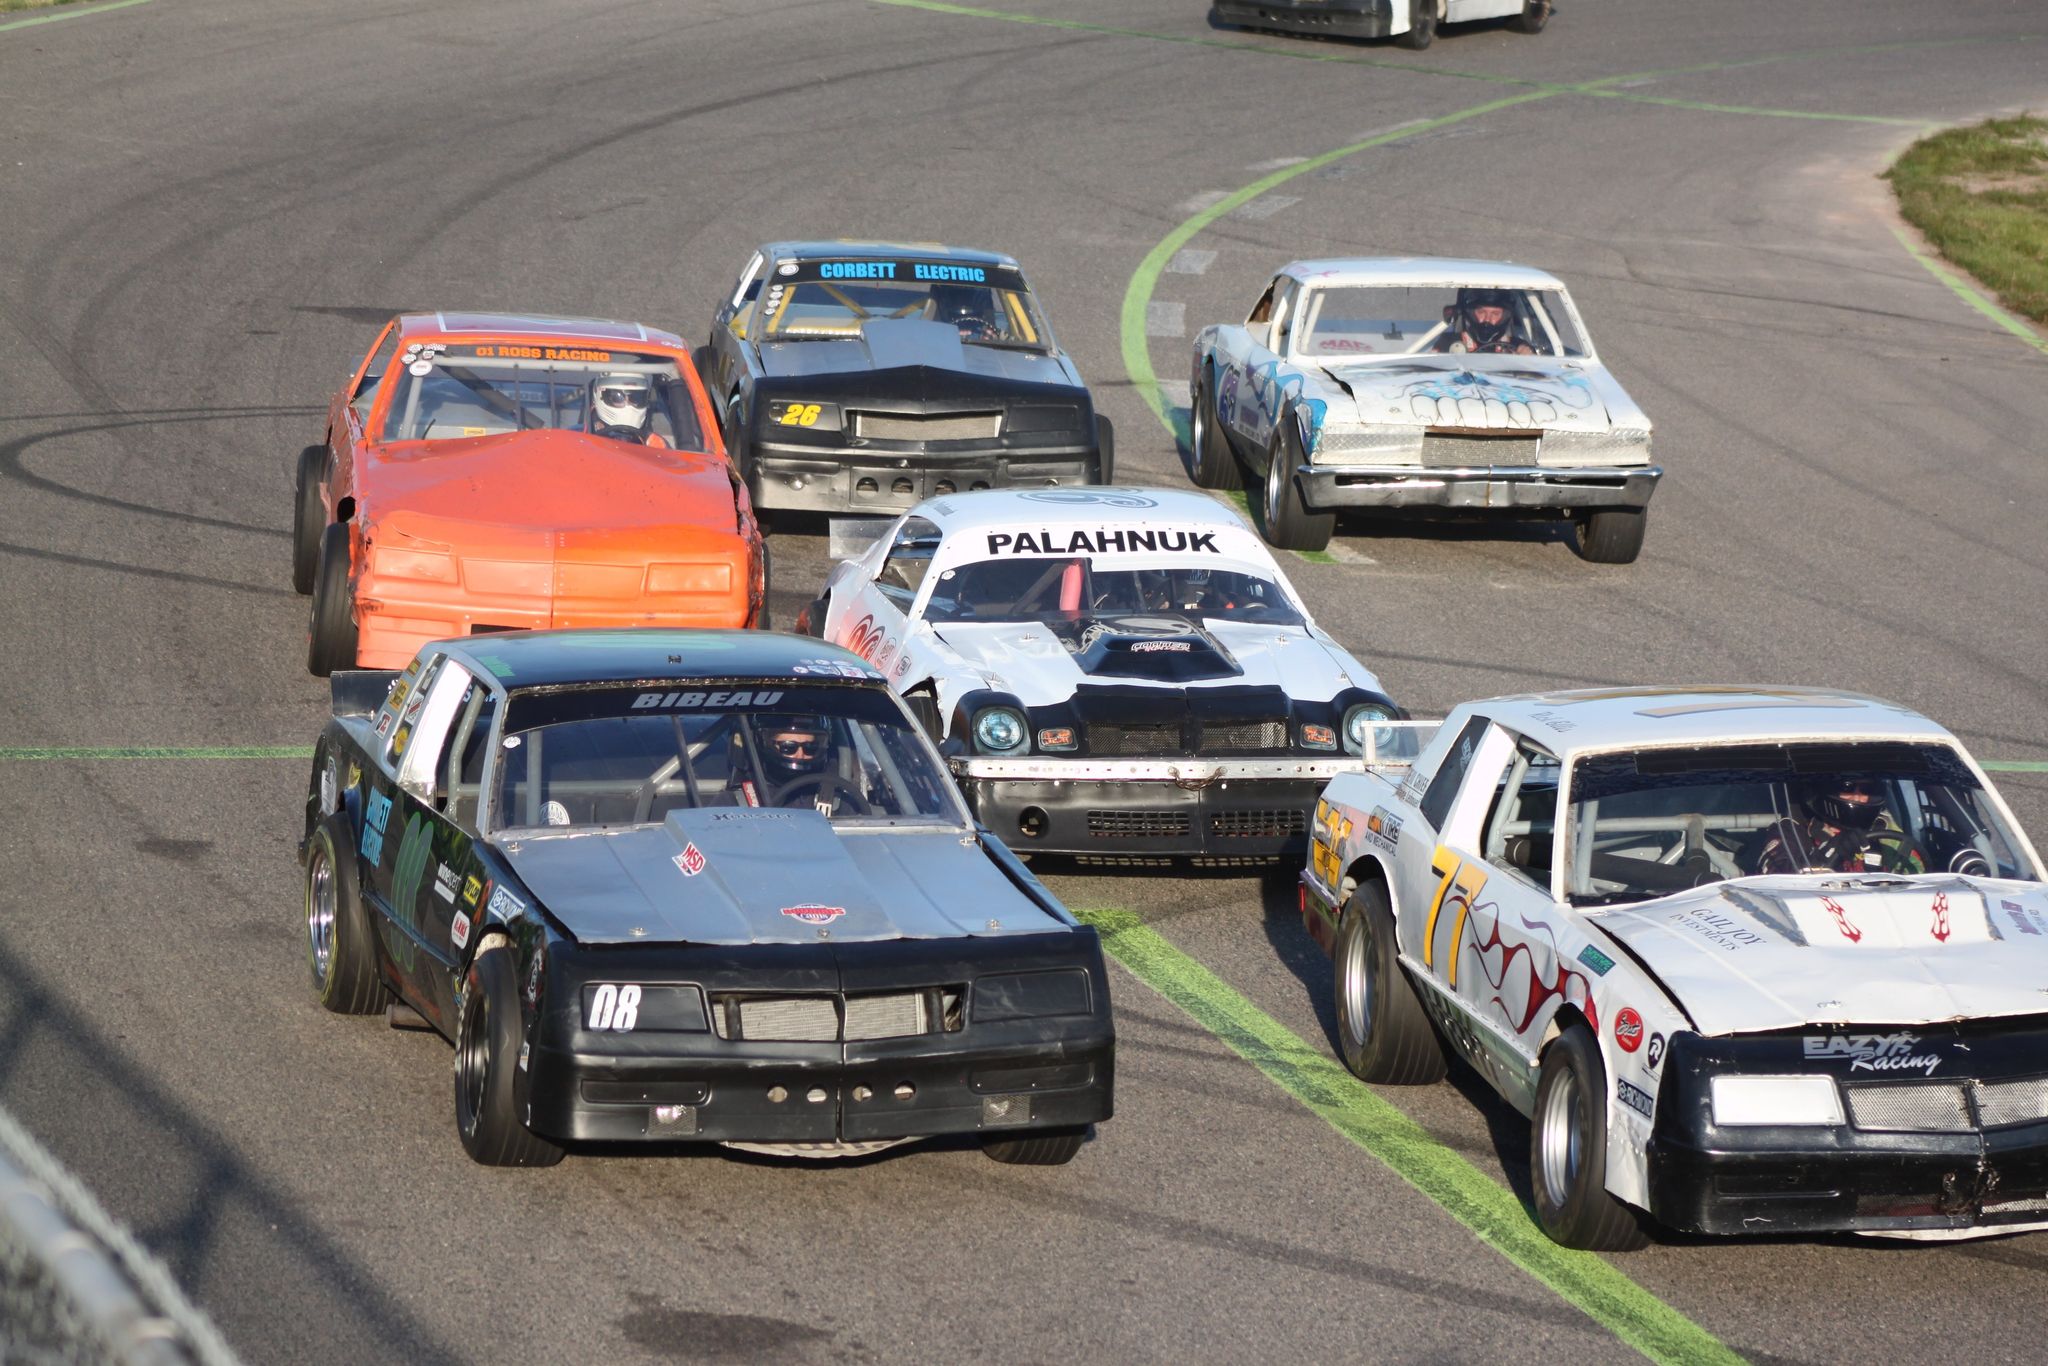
{"x": 1410, "y": 382}
{"x": 1115, "y": 673}
{"x": 1753, "y": 962}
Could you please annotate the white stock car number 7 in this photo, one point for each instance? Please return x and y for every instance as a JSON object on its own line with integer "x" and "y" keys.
{"x": 615, "y": 1008}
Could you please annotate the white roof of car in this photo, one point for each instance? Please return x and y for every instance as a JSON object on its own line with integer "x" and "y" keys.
{"x": 954, "y": 512}
{"x": 1629, "y": 718}
{"x": 1420, "y": 270}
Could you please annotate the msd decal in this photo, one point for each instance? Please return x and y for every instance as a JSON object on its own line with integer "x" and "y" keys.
{"x": 691, "y": 860}
{"x": 814, "y": 915}
{"x": 1628, "y": 1029}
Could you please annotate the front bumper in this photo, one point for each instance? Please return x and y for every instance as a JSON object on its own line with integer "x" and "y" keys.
{"x": 817, "y": 478}
{"x": 1230, "y": 811}
{"x": 1013, "y": 1075}
{"x": 1478, "y": 488}
{"x": 1346, "y": 18}
{"x": 1976, "y": 1178}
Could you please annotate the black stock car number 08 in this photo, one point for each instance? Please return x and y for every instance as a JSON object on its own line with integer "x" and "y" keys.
{"x": 616, "y": 1008}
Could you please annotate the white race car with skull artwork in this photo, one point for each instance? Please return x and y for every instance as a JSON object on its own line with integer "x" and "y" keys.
{"x": 1752, "y": 961}
{"x": 1122, "y": 674}
{"x": 1416, "y": 383}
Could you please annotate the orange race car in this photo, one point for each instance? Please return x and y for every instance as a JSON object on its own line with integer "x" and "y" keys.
{"x": 486, "y": 472}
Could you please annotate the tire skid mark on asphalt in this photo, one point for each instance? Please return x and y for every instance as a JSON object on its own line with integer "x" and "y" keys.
{"x": 77, "y": 12}
{"x": 12, "y": 468}
{"x": 1486, "y": 1208}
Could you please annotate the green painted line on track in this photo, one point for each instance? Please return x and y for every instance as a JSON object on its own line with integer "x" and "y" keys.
{"x": 2013, "y": 765}
{"x": 156, "y": 752}
{"x": 1970, "y": 295}
{"x": 69, "y": 12}
{"x": 1485, "y": 1207}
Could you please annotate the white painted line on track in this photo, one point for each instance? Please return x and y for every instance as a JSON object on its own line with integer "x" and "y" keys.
{"x": 1191, "y": 261}
{"x": 1265, "y": 206}
{"x": 1206, "y": 199}
{"x": 1166, "y": 320}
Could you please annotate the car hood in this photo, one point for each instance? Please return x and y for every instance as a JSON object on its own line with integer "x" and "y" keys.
{"x": 1033, "y": 663}
{"x": 919, "y": 359}
{"x": 1766, "y": 953}
{"x": 1504, "y": 392}
{"x": 769, "y": 877}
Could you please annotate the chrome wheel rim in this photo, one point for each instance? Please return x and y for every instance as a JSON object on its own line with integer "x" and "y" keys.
{"x": 1356, "y": 994}
{"x": 472, "y": 1063}
{"x": 1274, "y": 474}
{"x": 1198, "y": 427}
{"x": 320, "y": 916}
{"x": 1561, "y": 1145}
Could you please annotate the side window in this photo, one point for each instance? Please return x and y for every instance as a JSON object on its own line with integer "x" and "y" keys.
{"x": 744, "y": 294}
{"x": 1262, "y": 311}
{"x": 380, "y": 361}
{"x": 910, "y": 555}
{"x": 1450, "y": 774}
{"x": 462, "y": 759}
{"x": 1283, "y": 311}
{"x": 430, "y": 713}
{"x": 1522, "y": 825}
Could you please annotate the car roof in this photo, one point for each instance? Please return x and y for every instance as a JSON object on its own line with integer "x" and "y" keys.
{"x": 539, "y": 659}
{"x": 531, "y": 325}
{"x": 930, "y": 251}
{"x": 1590, "y": 719}
{"x": 1419, "y": 270}
{"x": 955, "y": 512}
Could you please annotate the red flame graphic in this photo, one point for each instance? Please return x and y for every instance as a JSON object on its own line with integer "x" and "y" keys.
{"x": 1533, "y": 990}
{"x": 1842, "y": 921}
{"x": 1941, "y": 916}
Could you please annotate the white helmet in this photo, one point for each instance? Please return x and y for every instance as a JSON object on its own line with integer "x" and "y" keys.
{"x": 620, "y": 400}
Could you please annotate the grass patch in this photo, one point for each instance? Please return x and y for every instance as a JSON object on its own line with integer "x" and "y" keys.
{"x": 9, "y": 6}
{"x": 1980, "y": 195}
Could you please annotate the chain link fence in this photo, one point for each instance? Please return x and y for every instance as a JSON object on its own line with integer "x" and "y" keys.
{"x": 75, "y": 1286}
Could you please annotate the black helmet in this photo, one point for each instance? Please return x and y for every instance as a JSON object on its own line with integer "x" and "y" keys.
{"x": 1470, "y": 301}
{"x": 967, "y": 307}
{"x": 1847, "y": 803}
{"x": 791, "y": 745}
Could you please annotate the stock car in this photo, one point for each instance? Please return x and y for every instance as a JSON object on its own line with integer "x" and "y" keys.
{"x": 1420, "y": 384}
{"x": 469, "y": 482}
{"x": 863, "y": 377}
{"x": 1411, "y": 23}
{"x": 1752, "y": 961}
{"x": 1118, "y": 674}
{"x": 691, "y": 886}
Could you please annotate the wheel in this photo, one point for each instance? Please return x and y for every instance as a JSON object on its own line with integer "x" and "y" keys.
{"x": 1422, "y": 24}
{"x": 1568, "y": 1151}
{"x": 308, "y": 516}
{"x": 1612, "y": 535}
{"x": 486, "y": 1052}
{"x": 339, "y": 951}
{"x": 760, "y": 621}
{"x": 1105, "y": 452}
{"x": 1382, "y": 1031}
{"x": 1045, "y": 1148}
{"x": 1211, "y": 462}
{"x": 1535, "y": 14}
{"x": 1289, "y": 523}
{"x": 331, "y": 639}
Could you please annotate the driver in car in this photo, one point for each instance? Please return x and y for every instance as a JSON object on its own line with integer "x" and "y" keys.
{"x": 969, "y": 309}
{"x": 1483, "y": 321}
{"x": 621, "y": 407}
{"x": 797, "y": 754}
{"x": 1845, "y": 829}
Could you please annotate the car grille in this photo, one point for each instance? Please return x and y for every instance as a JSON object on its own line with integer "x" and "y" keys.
{"x": 1137, "y": 824}
{"x": 912, "y": 427}
{"x": 2012, "y": 1102}
{"x": 1258, "y": 824}
{"x": 1242, "y": 737}
{"x": 886, "y": 1017}
{"x": 1135, "y": 741}
{"x": 817, "y": 1019}
{"x": 1945, "y": 1107}
{"x": 814, "y": 1018}
{"x": 1439, "y": 452}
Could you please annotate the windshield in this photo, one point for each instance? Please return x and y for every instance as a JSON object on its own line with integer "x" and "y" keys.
{"x": 989, "y": 305}
{"x": 1361, "y": 323}
{"x": 471, "y": 391}
{"x": 629, "y": 756}
{"x": 1058, "y": 587}
{"x": 1660, "y": 821}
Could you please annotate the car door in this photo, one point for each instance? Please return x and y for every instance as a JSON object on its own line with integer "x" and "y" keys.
{"x": 1263, "y": 390}
{"x": 348, "y": 432}
{"x": 729, "y": 343}
{"x": 871, "y": 614}
{"x": 1235, "y": 349}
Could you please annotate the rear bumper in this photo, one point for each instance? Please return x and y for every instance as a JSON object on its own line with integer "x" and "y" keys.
{"x": 394, "y": 620}
{"x": 1347, "y": 18}
{"x": 808, "y": 478}
{"x": 1478, "y": 488}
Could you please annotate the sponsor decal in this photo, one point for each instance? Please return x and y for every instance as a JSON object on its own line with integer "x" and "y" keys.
{"x": 691, "y": 860}
{"x": 1842, "y": 921}
{"x": 446, "y": 880}
{"x": 786, "y": 268}
{"x": 1654, "y": 1056}
{"x": 1153, "y": 647}
{"x": 1383, "y": 828}
{"x": 1596, "y": 960}
{"x": 1085, "y": 542}
{"x": 384, "y": 725}
{"x": 504, "y": 906}
{"x": 752, "y": 817}
{"x": 1717, "y": 929}
{"x": 458, "y": 932}
{"x": 401, "y": 740}
{"x": 1109, "y": 498}
{"x": 586, "y": 354}
{"x": 868, "y": 641}
{"x": 1872, "y": 1052}
{"x": 830, "y": 668}
{"x": 1628, "y": 1029}
{"x": 672, "y": 701}
{"x": 1939, "y": 929}
{"x": 1635, "y": 1098}
{"x": 376, "y": 815}
{"x": 328, "y": 793}
{"x": 2025, "y": 920}
{"x": 355, "y": 773}
{"x": 814, "y": 915}
{"x": 471, "y": 890}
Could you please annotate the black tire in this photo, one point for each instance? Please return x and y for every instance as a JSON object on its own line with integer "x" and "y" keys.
{"x": 1288, "y": 522}
{"x": 486, "y": 1054}
{"x": 1535, "y": 14}
{"x": 1045, "y": 1148}
{"x": 760, "y": 621}
{"x": 1211, "y": 462}
{"x": 331, "y": 636}
{"x": 340, "y": 954}
{"x": 308, "y": 517}
{"x": 811, "y": 621}
{"x": 1568, "y": 1151}
{"x": 1103, "y": 470}
{"x": 1422, "y": 26}
{"x": 1612, "y": 535}
{"x": 925, "y": 708}
{"x": 1383, "y": 1034}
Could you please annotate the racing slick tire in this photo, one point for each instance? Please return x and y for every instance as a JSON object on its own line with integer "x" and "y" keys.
{"x": 1045, "y": 1148}
{"x": 1289, "y": 524}
{"x": 925, "y": 708}
{"x": 1422, "y": 24}
{"x": 1568, "y": 1151}
{"x": 1383, "y": 1034}
{"x": 1535, "y": 14}
{"x": 339, "y": 951}
{"x": 308, "y": 516}
{"x": 1211, "y": 462}
{"x": 1104, "y": 470}
{"x": 486, "y": 1054}
{"x": 331, "y": 637}
{"x": 1612, "y": 535}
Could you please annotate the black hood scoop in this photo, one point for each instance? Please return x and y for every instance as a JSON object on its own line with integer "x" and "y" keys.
{"x": 1160, "y": 649}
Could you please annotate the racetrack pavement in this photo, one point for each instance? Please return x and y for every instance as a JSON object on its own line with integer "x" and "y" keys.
{"x": 207, "y": 206}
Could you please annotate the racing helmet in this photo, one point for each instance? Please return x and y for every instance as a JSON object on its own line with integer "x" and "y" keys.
{"x": 969, "y": 308}
{"x": 791, "y": 745}
{"x": 1845, "y": 802}
{"x": 621, "y": 400}
{"x": 1470, "y": 301}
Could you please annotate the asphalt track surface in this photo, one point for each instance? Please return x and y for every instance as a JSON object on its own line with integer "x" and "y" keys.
{"x": 205, "y": 206}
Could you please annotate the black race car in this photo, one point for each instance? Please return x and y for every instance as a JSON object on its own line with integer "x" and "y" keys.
{"x": 865, "y": 377}
{"x": 691, "y": 885}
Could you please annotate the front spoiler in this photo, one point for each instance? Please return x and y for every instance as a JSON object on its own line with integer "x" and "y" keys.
{"x": 808, "y": 478}
{"x": 1347, "y": 18}
{"x": 1478, "y": 488}
{"x": 1245, "y": 818}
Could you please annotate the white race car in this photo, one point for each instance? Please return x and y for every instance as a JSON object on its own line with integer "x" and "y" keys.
{"x": 1111, "y": 673}
{"x": 1753, "y": 962}
{"x": 1410, "y": 382}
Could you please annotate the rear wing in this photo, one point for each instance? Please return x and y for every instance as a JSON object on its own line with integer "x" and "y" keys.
{"x": 1392, "y": 747}
{"x": 359, "y": 692}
